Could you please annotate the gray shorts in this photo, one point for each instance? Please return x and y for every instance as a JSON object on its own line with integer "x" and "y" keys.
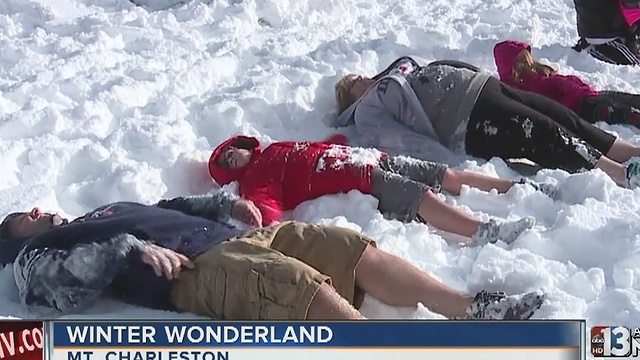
{"x": 400, "y": 183}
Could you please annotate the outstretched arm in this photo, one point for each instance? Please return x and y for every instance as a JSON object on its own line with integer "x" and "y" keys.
{"x": 61, "y": 277}
{"x": 455, "y": 63}
{"x": 380, "y": 128}
{"x": 394, "y": 64}
{"x": 397, "y": 139}
{"x": 218, "y": 206}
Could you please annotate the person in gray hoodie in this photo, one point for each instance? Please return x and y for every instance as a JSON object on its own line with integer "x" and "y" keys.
{"x": 418, "y": 110}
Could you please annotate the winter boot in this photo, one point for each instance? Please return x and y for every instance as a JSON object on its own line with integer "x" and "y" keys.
{"x": 499, "y": 306}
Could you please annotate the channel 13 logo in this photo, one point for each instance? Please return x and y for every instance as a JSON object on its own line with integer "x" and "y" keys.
{"x": 615, "y": 341}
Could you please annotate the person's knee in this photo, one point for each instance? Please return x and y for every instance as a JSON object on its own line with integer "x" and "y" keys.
{"x": 450, "y": 178}
{"x": 371, "y": 258}
{"x": 328, "y": 304}
{"x": 374, "y": 264}
{"x": 430, "y": 195}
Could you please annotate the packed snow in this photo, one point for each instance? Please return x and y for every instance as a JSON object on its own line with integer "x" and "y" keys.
{"x": 103, "y": 100}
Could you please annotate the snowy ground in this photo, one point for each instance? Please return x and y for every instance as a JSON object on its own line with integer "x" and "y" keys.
{"x": 103, "y": 101}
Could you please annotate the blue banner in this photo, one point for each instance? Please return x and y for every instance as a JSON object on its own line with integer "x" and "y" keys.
{"x": 380, "y": 334}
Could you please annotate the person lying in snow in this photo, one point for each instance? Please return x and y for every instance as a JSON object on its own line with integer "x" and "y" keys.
{"x": 289, "y": 173}
{"x": 518, "y": 68}
{"x": 407, "y": 106}
{"x": 608, "y": 30}
{"x": 181, "y": 255}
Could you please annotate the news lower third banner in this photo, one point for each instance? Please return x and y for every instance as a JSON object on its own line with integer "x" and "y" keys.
{"x": 373, "y": 340}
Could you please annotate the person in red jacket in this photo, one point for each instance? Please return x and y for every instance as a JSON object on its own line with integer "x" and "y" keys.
{"x": 285, "y": 174}
{"x": 517, "y": 67}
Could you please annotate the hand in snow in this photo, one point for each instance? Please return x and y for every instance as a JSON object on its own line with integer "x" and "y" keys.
{"x": 247, "y": 212}
{"x": 165, "y": 261}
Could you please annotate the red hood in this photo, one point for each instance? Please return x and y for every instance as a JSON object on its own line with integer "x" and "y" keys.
{"x": 225, "y": 176}
{"x": 505, "y": 54}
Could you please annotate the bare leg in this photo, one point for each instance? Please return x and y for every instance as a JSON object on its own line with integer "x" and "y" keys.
{"x": 329, "y": 305}
{"x": 622, "y": 151}
{"x": 446, "y": 217}
{"x": 454, "y": 179}
{"x": 398, "y": 283}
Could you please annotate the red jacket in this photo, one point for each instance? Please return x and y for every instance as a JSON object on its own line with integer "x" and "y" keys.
{"x": 286, "y": 174}
{"x": 566, "y": 89}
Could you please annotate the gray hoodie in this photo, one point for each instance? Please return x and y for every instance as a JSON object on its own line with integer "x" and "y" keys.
{"x": 405, "y": 113}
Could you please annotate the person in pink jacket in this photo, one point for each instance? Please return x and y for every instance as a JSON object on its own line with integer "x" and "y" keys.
{"x": 518, "y": 68}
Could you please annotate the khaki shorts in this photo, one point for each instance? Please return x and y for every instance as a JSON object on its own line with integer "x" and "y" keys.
{"x": 272, "y": 273}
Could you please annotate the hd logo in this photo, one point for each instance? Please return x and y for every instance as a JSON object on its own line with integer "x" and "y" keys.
{"x": 615, "y": 341}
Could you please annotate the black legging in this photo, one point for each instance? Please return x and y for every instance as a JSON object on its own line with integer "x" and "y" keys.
{"x": 511, "y": 123}
{"x": 612, "y": 107}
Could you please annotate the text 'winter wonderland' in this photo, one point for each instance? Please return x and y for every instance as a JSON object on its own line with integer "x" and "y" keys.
{"x": 196, "y": 334}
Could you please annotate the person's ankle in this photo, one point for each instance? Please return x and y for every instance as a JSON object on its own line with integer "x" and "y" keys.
{"x": 485, "y": 233}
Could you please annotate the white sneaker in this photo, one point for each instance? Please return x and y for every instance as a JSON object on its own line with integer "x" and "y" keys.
{"x": 494, "y": 230}
{"x": 499, "y": 306}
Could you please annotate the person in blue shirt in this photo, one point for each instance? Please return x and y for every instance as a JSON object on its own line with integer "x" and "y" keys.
{"x": 182, "y": 255}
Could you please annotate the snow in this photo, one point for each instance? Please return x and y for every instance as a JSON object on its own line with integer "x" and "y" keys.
{"x": 337, "y": 156}
{"x": 102, "y": 100}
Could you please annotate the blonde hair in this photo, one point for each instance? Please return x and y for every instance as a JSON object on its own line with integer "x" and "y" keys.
{"x": 526, "y": 64}
{"x": 343, "y": 98}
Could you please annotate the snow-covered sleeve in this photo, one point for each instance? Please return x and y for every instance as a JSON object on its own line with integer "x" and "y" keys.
{"x": 455, "y": 63}
{"x": 215, "y": 207}
{"x": 377, "y": 123}
{"x": 64, "y": 276}
{"x": 395, "y": 64}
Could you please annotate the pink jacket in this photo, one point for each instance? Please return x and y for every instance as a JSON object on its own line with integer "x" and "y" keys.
{"x": 631, "y": 15}
{"x": 568, "y": 90}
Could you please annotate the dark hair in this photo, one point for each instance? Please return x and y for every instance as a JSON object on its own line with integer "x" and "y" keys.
{"x": 10, "y": 246}
{"x": 222, "y": 158}
{"x": 5, "y": 232}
